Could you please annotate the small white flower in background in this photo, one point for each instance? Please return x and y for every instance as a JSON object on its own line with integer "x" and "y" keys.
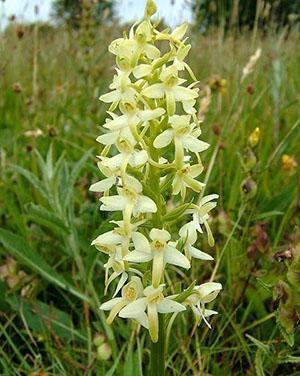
{"x": 188, "y": 234}
{"x": 201, "y": 215}
{"x": 185, "y": 178}
{"x": 151, "y": 154}
{"x": 202, "y": 295}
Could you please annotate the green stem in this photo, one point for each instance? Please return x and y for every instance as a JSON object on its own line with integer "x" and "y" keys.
{"x": 158, "y": 351}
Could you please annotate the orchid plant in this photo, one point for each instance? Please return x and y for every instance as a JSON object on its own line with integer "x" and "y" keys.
{"x": 151, "y": 162}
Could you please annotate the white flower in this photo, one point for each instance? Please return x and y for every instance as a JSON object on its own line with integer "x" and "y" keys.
{"x": 170, "y": 89}
{"x": 130, "y": 292}
{"x": 183, "y": 137}
{"x": 189, "y": 235}
{"x": 176, "y": 36}
{"x": 132, "y": 116}
{"x": 128, "y": 155}
{"x": 130, "y": 201}
{"x": 185, "y": 177}
{"x": 203, "y": 294}
{"x": 121, "y": 89}
{"x": 108, "y": 241}
{"x": 159, "y": 251}
{"x": 154, "y": 302}
{"x": 119, "y": 268}
{"x": 129, "y": 50}
{"x": 201, "y": 215}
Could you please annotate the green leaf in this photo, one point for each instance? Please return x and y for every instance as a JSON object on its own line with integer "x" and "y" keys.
{"x": 73, "y": 177}
{"x": 289, "y": 359}
{"x": 112, "y": 370}
{"x": 176, "y": 213}
{"x": 46, "y": 218}
{"x": 26, "y": 255}
{"x": 131, "y": 366}
{"x": 288, "y": 337}
{"x": 3, "y": 304}
{"x": 259, "y": 367}
{"x": 267, "y": 215}
{"x": 33, "y": 180}
{"x": 186, "y": 293}
{"x": 40, "y": 317}
{"x": 260, "y": 345}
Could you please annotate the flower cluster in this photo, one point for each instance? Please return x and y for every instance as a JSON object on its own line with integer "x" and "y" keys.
{"x": 151, "y": 162}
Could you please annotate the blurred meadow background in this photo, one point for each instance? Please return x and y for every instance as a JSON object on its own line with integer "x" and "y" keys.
{"x": 54, "y": 64}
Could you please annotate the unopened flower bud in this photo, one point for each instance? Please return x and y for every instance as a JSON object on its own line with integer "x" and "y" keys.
{"x": 216, "y": 129}
{"x": 20, "y": 32}
{"x": 249, "y": 159}
{"x": 249, "y": 188}
{"x": 99, "y": 338}
{"x": 150, "y": 8}
{"x": 104, "y": 352}
{"x": 288, "y": 163}
{"x": 250, "y": 89}
{"x": 17, "y": 88}
{"x": 254, "y": 137}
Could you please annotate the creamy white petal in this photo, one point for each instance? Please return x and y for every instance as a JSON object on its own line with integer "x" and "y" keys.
{"x": 158, "y": 234}
{"x": 145, "y": 205}
{"x": 188, "y": 106}
{"x": 142, "y": 319}
{"x": 189, "y": 232}
{"x": 138, "y": 158}
{"x": 169, "y": 306}
{"x": 193, "y": 144}
{"x": 199, "y": 254}
{"x": 151, "y": 114}
{"x": 142, "y": 70}
{"x": 107, "y": 306}
{"x": 163, "y": 139}
{"x": 176, "y": 184}
{"x": 113, "y": 203}
{"x": 121, "y": 283}
{"x": 151, "y": 51}
{"x": 110, "y": 97}
{"x": 180, "y": 31}
{"x": 117, "y": 123}
{"x": 134, "y": 309}
{"x": 209, "y": 287}
{"x": 154, "y": 91}
{"x": 138, "y": 256}
{"x": 140, "y": 242}
{"x": 208, "y": 198}
{"x": 108, "y": 138}
{"x": 183, "y": 93}
{"x": 196, "y": 170}
{"x": 174, "y": 257}
{"x": 209, "y": 312}
{"x": 103, "y": 185}
{"x": 114, "y": 162}
{"x": 108, "y": 238}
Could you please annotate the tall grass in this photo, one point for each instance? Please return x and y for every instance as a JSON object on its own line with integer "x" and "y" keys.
{"x": 50, "y": 296}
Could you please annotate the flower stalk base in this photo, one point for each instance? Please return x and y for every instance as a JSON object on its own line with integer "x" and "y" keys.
{"x": 158, "y": 351}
